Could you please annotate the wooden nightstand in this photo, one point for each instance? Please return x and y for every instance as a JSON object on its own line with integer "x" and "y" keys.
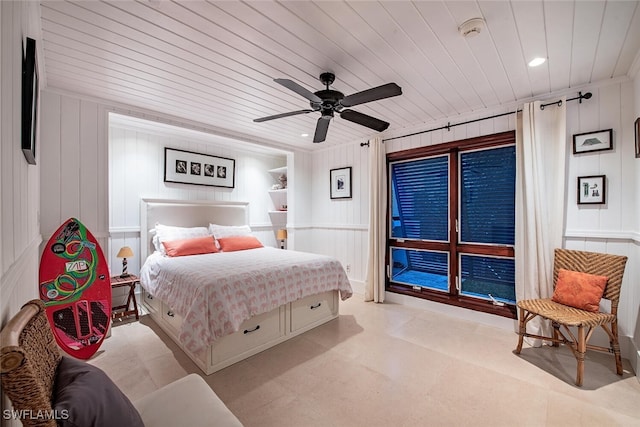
{"x": 131, "y": 281}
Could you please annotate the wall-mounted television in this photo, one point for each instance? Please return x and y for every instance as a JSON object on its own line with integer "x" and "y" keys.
{"x": 29, "y": 101}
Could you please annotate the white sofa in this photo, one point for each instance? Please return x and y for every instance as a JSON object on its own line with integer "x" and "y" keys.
{"x": 188, "y": 401}
{"x": 39, "y": 380}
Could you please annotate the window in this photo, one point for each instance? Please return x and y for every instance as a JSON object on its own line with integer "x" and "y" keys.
{"x": 452, "y": 223}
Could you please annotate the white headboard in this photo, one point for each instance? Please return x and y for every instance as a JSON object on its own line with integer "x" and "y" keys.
{"x": 187, "y": 213}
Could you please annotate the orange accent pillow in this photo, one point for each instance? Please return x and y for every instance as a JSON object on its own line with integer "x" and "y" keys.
{"x": 193, "y": 246}
{"x": 239, "y": 243}
{"x": 579, "y": 290}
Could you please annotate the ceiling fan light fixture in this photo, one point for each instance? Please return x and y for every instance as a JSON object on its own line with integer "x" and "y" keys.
{"x": 471, "y": 27}
{"x": 327, "y": 102}
{"x": 537, "y": 61}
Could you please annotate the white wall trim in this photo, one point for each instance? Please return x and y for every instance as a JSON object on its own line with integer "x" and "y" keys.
{"x": 300, "y": 226}
{"x": 602, "y": 234}
{"x": 358, "y": 288}
{"x": 123, "y": 230}
{"x": 357, "y": 227}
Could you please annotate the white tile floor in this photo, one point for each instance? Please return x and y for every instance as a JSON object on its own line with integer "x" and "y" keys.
{"x": 389, "y": 365}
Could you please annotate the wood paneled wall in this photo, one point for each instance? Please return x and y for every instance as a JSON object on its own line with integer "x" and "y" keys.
{"x": 19, "y": 181}
{"x": 136, "y": 170}
{"x": 340, "y": 227}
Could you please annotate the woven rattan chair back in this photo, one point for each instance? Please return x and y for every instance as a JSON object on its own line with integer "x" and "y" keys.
{"x": 29, "y": 358}
{"x": 566, "y": 317}
{"x": 611, "y": 266}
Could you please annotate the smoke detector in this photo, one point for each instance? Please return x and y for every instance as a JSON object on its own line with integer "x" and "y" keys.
{"x": 471, "y": 27}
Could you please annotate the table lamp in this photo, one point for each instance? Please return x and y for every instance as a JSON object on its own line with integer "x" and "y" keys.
{"x": 281, "y": 236}
{"x": 124, "y": 253}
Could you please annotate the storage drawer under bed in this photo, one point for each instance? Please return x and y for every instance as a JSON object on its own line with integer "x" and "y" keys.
{"x": 169, "y": 316}
{"x": 151, "y": 303}
{"x": 253, "y": 333}
{"x": 309, "y": 310}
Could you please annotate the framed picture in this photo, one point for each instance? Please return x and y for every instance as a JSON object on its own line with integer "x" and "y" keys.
{"x": 592, "y": 189}
{"x": 637, "y": 128}
{"x": 340, "y": 183}
{"x": 187, "y": 167}
{"x": 29, "y": 101}
{"x": 593, "y": 141}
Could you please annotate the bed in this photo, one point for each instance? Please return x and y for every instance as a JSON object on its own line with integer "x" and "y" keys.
{"x": 223, "y": 307}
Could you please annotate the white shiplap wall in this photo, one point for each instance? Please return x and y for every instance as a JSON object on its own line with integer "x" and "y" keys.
{"x": 19, "y": 182}
{"x": 74, "y": 164}
{"x": 339, "y": 227}
{"x": 136, "y": 170}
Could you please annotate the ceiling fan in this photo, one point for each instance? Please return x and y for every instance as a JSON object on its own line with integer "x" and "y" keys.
{"x": 328, "y": 102}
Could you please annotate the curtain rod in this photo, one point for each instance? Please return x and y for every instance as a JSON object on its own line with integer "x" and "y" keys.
{"x": 448, "y": 126}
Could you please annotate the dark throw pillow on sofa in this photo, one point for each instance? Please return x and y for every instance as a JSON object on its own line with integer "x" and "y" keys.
{"x": 84, "y": 396}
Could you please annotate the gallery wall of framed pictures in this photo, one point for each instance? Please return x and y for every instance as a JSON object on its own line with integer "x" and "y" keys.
{"x": 188, "y": 167}
{"x": 591, "y": 190}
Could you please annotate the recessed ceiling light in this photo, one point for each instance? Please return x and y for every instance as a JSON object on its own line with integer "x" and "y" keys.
{"x": 304, "y": 135}
{"x": 537, "y": 61}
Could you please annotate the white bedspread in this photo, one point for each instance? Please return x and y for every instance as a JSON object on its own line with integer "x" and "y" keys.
{"x": 215, "y": 293}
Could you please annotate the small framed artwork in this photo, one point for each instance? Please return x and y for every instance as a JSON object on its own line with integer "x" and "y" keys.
{"x": 340, "y": 183}
{"x": 593, "y": 141}
{"x": 187, "y": 167}
{"x": 592, "y": 189}
{"x": 637, "y": 128}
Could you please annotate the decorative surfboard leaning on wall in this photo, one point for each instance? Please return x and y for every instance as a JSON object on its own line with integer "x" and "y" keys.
{"x": 75, "y": 286}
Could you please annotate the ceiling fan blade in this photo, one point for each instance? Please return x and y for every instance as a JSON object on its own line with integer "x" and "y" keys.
{"x": 373, "y": 94}
{"x": 321, "y": 129}
{"x": 364, "y": 120}
{"x": 291, "y": 85}
{"x": 279, "y": 116}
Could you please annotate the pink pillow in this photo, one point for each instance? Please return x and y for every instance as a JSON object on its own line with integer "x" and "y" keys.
{"x": 193, "y": 246}
{"x": 239, "y": 243}
{"x": 579, "y": 290}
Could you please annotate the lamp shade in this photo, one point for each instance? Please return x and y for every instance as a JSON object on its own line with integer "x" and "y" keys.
{"x": 282, "y": 234}
{"x": 125, "y": 252}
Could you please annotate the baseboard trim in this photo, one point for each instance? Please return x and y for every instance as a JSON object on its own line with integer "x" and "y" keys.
{"x": 357, "y": 286}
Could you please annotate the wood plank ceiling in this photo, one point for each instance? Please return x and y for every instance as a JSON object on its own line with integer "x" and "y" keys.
{"x": 214, "y": 61}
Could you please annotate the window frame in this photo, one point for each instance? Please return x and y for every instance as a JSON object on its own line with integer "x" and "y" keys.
{"x": 452, "y": 246}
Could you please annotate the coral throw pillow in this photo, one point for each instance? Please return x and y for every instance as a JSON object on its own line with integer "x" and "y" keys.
{"x": 193, "y": 246}
{"x": 239, "y": 243}
{"x": 579, "y": 290}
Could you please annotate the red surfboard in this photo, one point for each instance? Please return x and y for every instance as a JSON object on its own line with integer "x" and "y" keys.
{"x": 76, "y": 289}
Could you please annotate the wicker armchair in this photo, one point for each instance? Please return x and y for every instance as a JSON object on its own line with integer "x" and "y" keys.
{"x": 28, "y": 360}
{"x": 31, "y": 362}
{"x": 611, "y": 266}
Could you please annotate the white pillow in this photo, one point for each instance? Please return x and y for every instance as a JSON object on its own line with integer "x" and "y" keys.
{"x": 222, "y": 231}
{"x": 167, "y": 233}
